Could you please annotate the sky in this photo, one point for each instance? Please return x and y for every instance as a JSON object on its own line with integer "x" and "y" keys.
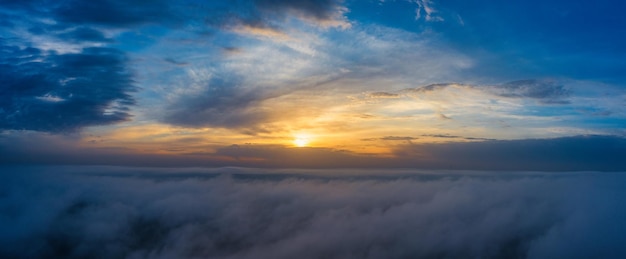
{"x": 312, "y": 129}
{"x": 441, "y": 84}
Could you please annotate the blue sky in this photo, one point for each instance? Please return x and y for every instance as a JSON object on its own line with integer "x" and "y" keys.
{"x": 377, "y": 83}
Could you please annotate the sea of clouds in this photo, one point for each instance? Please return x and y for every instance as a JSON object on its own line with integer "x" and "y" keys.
{"x": 114, "y": 212}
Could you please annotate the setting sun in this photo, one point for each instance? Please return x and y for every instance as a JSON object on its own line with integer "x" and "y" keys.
{"x": 301, "y": 140}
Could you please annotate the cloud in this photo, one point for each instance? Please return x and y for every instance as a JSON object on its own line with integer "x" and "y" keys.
{"x": 291, "y": 157}
{"x": 248, "y": 14}
{"x": 175, "y": 62}
{"x": 82, "y": 22}
{"x": 443, "y": 116}
{"x": 398, "y": 138}
{"x": 429, "y": 11}
{"x": 446, "y": 136}
{"x": 558, "y": 154}
{"x": 103, "y": 212}
{"x": 46, "y": 91}
{"x": 114, "y": 13}
{"x": 324, "y": 12}
{"x": 224, "y": 103}
{"x": 258, "y": 84}
{"x": 261, "y": 31}
{"x": 383, "y": 95}
{"x": 547, "y": 92}
{"x": 391, "y": 138}
{"x": 434, "y": 87}
{"x": 543, "y": 90}
{"x": 579, "y": 153}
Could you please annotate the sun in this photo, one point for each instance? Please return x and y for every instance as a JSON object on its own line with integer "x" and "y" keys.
{"x": 301, "y": 140}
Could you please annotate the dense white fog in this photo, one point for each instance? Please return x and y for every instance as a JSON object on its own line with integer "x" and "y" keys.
{"x": 112, "y": 212}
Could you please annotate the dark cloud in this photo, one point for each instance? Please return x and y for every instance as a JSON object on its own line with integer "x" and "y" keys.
{"x": 131, "y": 13}
{"x": 290, "y": 157}
{"x": 269, "y": 14}
{"x": 544, "y": 91}
{"x": 68, "y": 91}
{"x": 397, "y": 138}
{"x": 100, "y": 212}
{"x": 62, "y": 92}
{"x": 34, "y": 148}
{"x": 202, "y": 17}
{"x": 175, "y": 62}
{"x": 232, "y": 50}
{"x": 224, "y": 103}
{"x": 443, "y": 116}
{"x": 383, "y": 95}
{"x": 114, "y": 12}
{"x": 441, "y": 136}
{"x": 430, "y": 88}
{"x": 559, "y": 154}
{"x": 581, "y": 153}
{"x": 321, "y": 10}
{"x": 22, "y": 5}
{"x": 453, "y": 137}
{"x": 392, "y": 138}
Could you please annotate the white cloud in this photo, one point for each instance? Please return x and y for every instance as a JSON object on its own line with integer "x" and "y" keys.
{"x": 430, "y": 12}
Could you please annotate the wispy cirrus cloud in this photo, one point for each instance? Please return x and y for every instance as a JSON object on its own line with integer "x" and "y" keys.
{"x": 258, "y": 78}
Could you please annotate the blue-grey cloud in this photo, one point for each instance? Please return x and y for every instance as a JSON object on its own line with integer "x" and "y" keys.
{"x": 175, "y": 62}
{"x": 317, "y": 9}
{"x": 383, "y": 95}
{"x": 47, "y": 91}
{"x": 559, "y": 154}
{"x": 290, "y": 157}
{"x": 114, "y": 12}
{"x": 398, "y": 138}
{"x": 132, "y": 13}
{"x": 224, "y": 103}
{"x": 544, "y": 91}
{"x": 580, "y": 153}
{"x": 447, "y": 136}
{"x": 99, "y": 212}
{"x": 430, "y": 88}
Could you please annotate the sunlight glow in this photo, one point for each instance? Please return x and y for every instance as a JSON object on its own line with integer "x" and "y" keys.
{"x": 301, "y": 140}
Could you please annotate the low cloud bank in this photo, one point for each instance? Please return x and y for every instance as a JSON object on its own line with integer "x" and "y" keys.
{"x": 106, "y": 212}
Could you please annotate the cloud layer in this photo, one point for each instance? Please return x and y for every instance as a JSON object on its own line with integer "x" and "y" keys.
{"x": 580, "y": 153}
{"x": 97, "y": 212}
{"x": 64, "y": 63}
